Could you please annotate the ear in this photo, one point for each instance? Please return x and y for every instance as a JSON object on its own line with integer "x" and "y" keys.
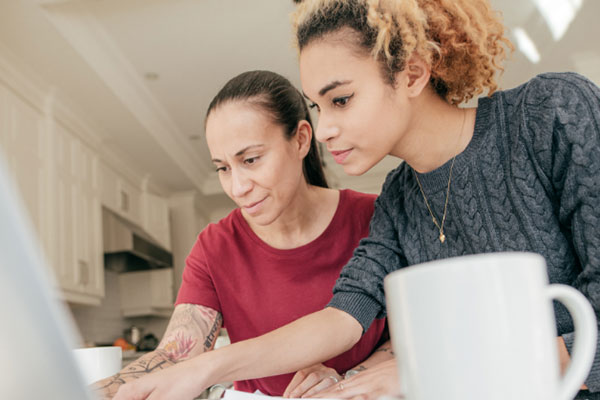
{"x": 303, "y": 138}
{"x": 416, "y": 75}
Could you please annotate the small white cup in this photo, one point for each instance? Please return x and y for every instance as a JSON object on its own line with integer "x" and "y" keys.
{"x": 98, "y": 362}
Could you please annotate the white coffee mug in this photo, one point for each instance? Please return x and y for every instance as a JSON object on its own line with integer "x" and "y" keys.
{"x": 98, "y": 362}
{"x": 483, "y": 327}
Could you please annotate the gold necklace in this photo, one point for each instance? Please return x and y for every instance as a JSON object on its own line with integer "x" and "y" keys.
{"x": 440, "y": 227}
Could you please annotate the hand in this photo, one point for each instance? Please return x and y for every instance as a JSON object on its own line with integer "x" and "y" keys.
{"x": 311, "y": 380}
{"x": 564, "y": 358}
{"x": 372, "y": 383}
{"x": 105, "y": 388}
{"x": 179, "y": 382}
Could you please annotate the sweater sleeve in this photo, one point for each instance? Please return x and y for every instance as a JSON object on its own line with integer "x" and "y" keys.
{"x": 568, "y": 106}
{"x": 359, "y": 289}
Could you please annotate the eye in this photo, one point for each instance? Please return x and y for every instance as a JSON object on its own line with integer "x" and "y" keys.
{"x": 251, "y": 160}
{"x": 342, "y": 101}
{"x": 314, "y": 105}
{"x": 221, "y": 169}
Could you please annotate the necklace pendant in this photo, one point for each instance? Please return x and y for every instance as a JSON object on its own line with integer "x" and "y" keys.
{"x": 442, "y": 237}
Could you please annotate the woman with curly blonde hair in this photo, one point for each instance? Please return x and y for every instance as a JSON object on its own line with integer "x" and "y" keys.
{"x": 519, "y": 172}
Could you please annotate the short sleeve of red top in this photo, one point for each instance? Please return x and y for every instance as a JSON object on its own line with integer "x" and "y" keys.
{"x": 258, "y": 288}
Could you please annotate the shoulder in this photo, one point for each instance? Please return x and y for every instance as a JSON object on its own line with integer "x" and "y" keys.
{"x": 555, "y": 90}
{"x": 358, "y": 204}
{"x": 359, "y": 199}
{"x": 219, "y": 233}
{"x": 564, "y": 106}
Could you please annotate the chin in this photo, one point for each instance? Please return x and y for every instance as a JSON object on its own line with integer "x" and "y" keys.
{"x": 262, "y": 219}
{"x": 357, "y": 169}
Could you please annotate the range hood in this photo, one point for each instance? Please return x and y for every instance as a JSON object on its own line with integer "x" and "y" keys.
{"x": 127, "y": 247}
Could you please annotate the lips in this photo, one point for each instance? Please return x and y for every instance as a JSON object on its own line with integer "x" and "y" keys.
{"x": 253, "y": 208}
{"x": 340, "y": 155}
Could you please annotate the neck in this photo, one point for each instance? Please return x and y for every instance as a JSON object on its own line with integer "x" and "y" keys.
{"x": 437, "y": 132}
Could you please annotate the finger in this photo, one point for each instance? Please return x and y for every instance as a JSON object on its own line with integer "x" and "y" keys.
{"x": 296, "y": 380}
{"x": 345, "y": 389}
{"x": 328, "y": 381}
{"x": 311, "y": 380}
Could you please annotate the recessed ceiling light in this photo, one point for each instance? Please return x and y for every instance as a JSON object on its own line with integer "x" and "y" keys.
{"x": 558, "y": 14}
{"x": 526, "y": 45}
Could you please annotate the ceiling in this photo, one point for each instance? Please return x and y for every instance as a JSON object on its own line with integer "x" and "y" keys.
{"x": 141, "y": 73}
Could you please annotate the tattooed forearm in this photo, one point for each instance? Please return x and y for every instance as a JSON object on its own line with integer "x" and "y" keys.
{"x": 191, "y": 317}
{"x": 211, "y": 337}
{"x": 180, "y": 347}
{"x": 189, "y": 327}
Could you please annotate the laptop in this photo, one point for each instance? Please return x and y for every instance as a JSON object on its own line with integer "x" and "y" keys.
{"x": 37, "y": 334}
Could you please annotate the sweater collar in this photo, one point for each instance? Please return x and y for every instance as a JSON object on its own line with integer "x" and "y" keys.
{"x": 436, "y": 180}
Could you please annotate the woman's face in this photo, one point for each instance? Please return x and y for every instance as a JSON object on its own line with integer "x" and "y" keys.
{"x": 361, "y": 117}
{"x": 259, "y": 169}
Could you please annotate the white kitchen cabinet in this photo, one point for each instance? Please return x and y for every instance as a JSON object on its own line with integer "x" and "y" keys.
{"x": 146, "y": 210}
{"x": 147, "y": 293}
{"x": 155, "y": 219}
{"x": 56, "y": 175}
{"x": 119, "y": 195}
{"x": 129, "y": 201}
{"x": 24, "y": 150}
{"x": 78, "y": 222}
{"x": 109, "y": 187}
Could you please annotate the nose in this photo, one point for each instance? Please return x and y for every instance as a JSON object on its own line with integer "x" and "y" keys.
{"x": 326, "y": 130}
{"x": 240, "y": 183}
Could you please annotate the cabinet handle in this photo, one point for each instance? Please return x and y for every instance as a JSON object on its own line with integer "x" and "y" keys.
{"x": 84, "y": 273}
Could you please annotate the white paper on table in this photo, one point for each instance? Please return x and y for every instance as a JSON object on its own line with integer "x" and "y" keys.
{"x": 231, "y": 394}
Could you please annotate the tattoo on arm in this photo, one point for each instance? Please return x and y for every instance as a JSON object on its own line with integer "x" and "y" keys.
{"x": 211, "y": 337}
{"x": 190, "y": 324}
{"x": 151, "y": 362}
{"x": 180, "y": 347}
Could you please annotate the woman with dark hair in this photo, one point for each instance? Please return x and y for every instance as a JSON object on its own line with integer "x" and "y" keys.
{"x": 519, "y": 172}
{"x": 277, "y": 256}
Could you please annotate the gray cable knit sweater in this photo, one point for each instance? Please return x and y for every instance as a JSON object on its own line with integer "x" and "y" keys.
{"x": 528, "y": 181}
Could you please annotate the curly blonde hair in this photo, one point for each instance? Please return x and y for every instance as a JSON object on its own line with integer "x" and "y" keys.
{"x": 462, "y": 41}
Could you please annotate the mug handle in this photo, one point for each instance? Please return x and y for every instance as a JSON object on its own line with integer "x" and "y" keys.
{"x": 584, "y": 347}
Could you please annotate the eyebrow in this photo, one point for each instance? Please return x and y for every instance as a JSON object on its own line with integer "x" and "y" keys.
{"x": 331, "y": 86}
{"x": 242, "y": 151}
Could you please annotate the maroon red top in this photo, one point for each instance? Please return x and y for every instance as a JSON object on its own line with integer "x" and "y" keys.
{"x": 258, "y": 288}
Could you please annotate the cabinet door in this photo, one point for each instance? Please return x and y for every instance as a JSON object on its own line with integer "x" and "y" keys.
{"x": 129, "y": 199}
{"x": 109, "y": 182}
{"x": 89, "y": 268}
{"x": 25, "y": 155}
{"x": 162, "y": 288}
{"x": 156, "y": 219}
{"x": 66, "y": 198}
{"x": 80, "y": 264}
